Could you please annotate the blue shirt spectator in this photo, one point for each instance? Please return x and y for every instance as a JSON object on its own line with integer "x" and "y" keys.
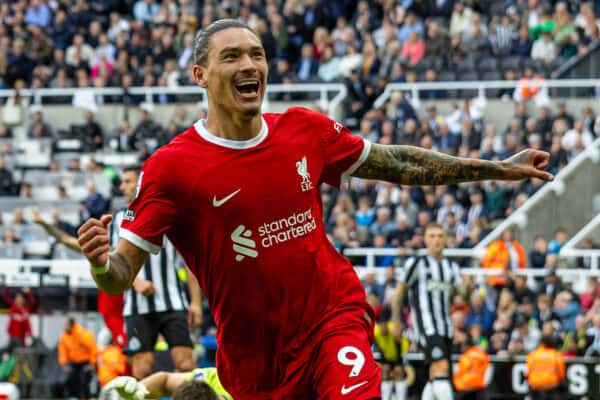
{"x": 145, "y": 10}
{"x": 38, "y": 13}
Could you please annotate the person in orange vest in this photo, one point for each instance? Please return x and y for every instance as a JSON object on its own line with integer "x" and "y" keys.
{"x": 503, "y": 254}
{"x": 77, "y": 352}
{"x": 529, "y": 86}
{"x": 546, "y": 371}
{"x": 469, "y": 379}
{"x": 112, "y": 362}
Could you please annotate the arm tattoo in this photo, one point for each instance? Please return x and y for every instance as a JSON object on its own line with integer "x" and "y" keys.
{"x": 118, "y": 278}
{"x": 409, "y": 165}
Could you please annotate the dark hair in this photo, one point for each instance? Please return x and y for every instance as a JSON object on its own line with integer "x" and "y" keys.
{"x": 195, "y": 390}
{"x": 202, "y": 39}
{"x": 137, "y": 168}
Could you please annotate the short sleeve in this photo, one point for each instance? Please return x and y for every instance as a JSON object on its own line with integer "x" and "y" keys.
{"x": 344, "y": 152}
{"x": 152, "y": 212}
{"x": 407, "y": 273}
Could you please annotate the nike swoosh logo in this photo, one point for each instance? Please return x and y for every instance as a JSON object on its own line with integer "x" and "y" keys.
{"x": 345, "y": 390}
{"x": 219, "y": 203}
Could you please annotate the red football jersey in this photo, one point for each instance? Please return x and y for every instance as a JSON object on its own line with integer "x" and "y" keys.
{"x": 247, "y": 218}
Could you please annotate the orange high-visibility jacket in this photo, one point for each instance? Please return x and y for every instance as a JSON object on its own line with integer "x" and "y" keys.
{"x": 470, "y": 373}
{"x": 545, "y": 368}
{"x": 497, "y": 256}
{"x": 111, "y": 364}
{"x": 78, "y": 346}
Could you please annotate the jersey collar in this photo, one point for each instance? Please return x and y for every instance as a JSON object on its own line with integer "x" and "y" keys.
{"x": 231, "y": 144}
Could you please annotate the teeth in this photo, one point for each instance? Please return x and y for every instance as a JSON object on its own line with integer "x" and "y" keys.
{"x": 247, "y": 83}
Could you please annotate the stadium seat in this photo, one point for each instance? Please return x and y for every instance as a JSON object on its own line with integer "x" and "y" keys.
{"x": 54, "y": 292}
{"x": 488, "y": 64}
{"x": 11, "y": 251}
{"x": 466, "y": 65}
{"x": 37, "y": 249}
{"x": 511, "y": 62}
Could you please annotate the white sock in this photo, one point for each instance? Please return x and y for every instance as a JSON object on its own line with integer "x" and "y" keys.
{"x": 442, "y": 389}
{"x": 400, "y": 390}
{"x": 427, "y": 392}
{"x": 386, "y": 390}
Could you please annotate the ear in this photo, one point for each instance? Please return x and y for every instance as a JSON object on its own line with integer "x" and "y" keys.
{"x": 200, "y": 75}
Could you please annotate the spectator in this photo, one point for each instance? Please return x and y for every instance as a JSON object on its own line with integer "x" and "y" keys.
{"x": 560, "y": 238}
{"x": 578, "y": 132}
{"x": 77, "y": 352}
{"x": 530, "y": 335}
{"x": 413, "y": 49}
{"x": 460, "y": 19}
{"x": 7, "y": 184}
{"x": 372, "y": 287}
{"x": 544, "y": 49}
{"x": 94, "y": 205}
{"x": 145, "y": 10}
{"x": 566, "y": 308}
{"x": 522, "y": 45}
{"x": 537, "y": 256}
{"x": 402, "y": 233}
{"x": 480, "y": 314}
{"x": 503, "y": 254}
{"x": 21, "y": 306}
{"x": 79, "y": 52}
{"x": 307, "y": 66}
{"x": 437, "y": 41}
{"x": 383, "y": 224}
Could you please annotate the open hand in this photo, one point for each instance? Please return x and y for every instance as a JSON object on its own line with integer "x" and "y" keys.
{"x": 528, "y": 163}
{"x": 94, "y": 240}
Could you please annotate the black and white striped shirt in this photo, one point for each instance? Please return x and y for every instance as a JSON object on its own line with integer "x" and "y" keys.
{"x": 431, "y": 284}
{"x": 161, "y": 270}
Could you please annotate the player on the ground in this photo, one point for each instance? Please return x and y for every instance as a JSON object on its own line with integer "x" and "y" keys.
{"x": 155, "y": 304}
{"x": 165, "y": 384}
{"x": 431, "y": 280}
{"x": 238, "y": 195}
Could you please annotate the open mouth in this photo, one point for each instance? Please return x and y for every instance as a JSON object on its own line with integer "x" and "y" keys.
{"x": 248, "y": 88}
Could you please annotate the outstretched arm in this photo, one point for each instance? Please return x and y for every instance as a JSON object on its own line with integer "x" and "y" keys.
{"x": 409, "y": 165}
{"x": 60, "y": 235}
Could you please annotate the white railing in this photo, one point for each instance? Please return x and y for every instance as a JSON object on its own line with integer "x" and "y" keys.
{"x": 570, "y": 249}
{"x": 519, "y": 217}
{"x": 371, "y": 252}
{"x": 480, "y": 86}
{"x": 323, "y": 89}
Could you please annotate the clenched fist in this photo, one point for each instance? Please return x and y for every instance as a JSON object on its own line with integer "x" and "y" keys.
{"x": 94, "y": 240}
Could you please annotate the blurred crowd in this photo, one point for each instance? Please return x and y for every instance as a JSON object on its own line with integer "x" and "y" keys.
{"x": 510, "y": 320}
{"x": 98, "y": 43}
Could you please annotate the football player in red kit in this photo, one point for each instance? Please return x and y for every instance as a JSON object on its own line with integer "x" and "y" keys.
{"x": 238, "y": 195}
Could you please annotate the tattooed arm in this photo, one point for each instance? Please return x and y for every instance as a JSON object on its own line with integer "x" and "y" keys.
{"x": 125, "y": 262}
{"x": 408, "y": 165}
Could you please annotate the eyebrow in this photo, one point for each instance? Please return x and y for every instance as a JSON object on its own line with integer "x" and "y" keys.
{"x": 237, "y": 48}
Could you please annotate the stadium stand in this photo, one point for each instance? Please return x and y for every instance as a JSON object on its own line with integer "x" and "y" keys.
{"x": 66, "y": 163}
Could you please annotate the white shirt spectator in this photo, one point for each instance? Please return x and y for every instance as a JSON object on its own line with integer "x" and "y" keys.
{"x": 543, "y": 49}
{"x": 570, "y": 138}
{"x": 530, "y": 340}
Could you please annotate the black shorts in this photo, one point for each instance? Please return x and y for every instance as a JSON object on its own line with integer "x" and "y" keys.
{"x": 143, "y": 330}
{"x": 437, "y": 348}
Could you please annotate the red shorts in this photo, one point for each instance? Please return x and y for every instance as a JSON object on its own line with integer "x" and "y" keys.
{"x": 337, "y": 363}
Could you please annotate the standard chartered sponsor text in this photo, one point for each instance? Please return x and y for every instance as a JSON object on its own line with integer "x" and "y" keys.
{"x": 281, "y": 230}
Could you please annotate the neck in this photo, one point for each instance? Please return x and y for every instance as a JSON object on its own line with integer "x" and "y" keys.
{"x": 437, "y": 256}
{"x": 232, "y": 126}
